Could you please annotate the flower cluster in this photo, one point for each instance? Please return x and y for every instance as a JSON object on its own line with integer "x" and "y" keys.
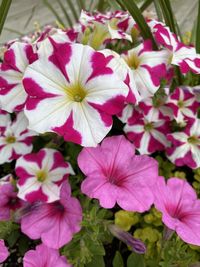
{"x": 69, "y": 87}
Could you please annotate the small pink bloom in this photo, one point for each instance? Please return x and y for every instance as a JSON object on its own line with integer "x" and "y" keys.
{"x": 178, "y": 203}
{"x": 147, "y": 135}
{"x": 15, "y": 139}
{"x": 55, "y": 223}
{"x": 183, "y": 104}
{"x": 116, "y": 175}
{"x": 41, "y": 175}
{"x": 185, "y": 149}
{"x": 3, "y": 251}
{"x": 44, "y": 256}
{"x": 8, "y": 201}
{"x": 16, "y": 60}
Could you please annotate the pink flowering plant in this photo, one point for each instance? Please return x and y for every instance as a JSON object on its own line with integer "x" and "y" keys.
{"x": 100, "y": 142}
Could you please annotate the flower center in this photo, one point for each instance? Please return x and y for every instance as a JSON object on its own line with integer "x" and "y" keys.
{"x": 148, "y": 126}
{"x": 180, "y": 104}
{"x": 41, "y": 176}
{"x": 76, "y": 92}
{"x": 193, "y": 140}
{"x": 133, "y": 61}
{"x": 10, "y": 139}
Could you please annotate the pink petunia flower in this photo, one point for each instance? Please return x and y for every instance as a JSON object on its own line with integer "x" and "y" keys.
{"x": 16, "y": 60}
{"x": 55, "y": 223}
{"x": 116, "y": 175}
{"x": 3, "y": 251}
{"x": 44, "y": 256}
{"x": 73, "y": 93}
{"x": 147, "y": 135}
{"x": 15, "y": 139}
{"x": 41, "y": 175}
{"x": 185, "y": 148}
{"x": 9, "y": 201}
{"x": 177, "y": 201}
{"x": 181, "y": 55}
{"x": 183, "y": 104}
{"x": 146, "y": 68}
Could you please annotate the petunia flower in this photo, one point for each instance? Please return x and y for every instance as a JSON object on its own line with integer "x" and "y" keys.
{"x": 41, "y": 175}
{"x": 185, "y": 149}
{"x": 3, "y": 251}
{"x": 183, "y": 104}
{"x": 9, "y": 201}
{"x": 147, "y": 135}
{"x": 181, "y": 55}
{"x": 4, "y": 119}
{"x": 116, "y": 175}
{"x": 55, "y": 223}
{"x": 180, "y": 208}
{"x": 44, "y": 256}
{"x": 73, "y": 93}
{"x": 15, "y": 139}
{"x": 16, "y": 60}
{"x": 146, "y": 68}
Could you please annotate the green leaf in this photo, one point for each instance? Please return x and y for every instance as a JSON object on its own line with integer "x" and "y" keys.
{"x": 73, "y": 10}
{"x": 118, "y": 260}
{"x": 52, "y": 9}
{"x": 198, "y": 31}
{"x": 139, "y": 19}
{"x": 146, "y": 4}
{"x": 135, "y": 260}
{"x": 5, "y": 5}
{"x": 97, "y": 261}
{"x": 12, "y": 238}
{"x": 69, "y": 21}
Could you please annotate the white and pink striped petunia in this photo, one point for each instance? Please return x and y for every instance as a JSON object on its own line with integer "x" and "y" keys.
{"x": 147, "y": 135}
{"x": 15, "y": 139}
{"x": 4, "y": 119}
{"x": 16, "y": 60}
{"x": 41, "y": 175}
{"x": 185, "y": 148}
{"x": 73, "y": 93}
{"x": 183, "y": 103}
{"x": 146, "y": 68}
{"x": 181, "y": 55}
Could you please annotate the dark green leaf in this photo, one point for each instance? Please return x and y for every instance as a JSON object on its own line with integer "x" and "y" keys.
{"x": 97, "y": 261}
{"x": 146, "y": 4}
{"x": 5, "y": 5}
{"x": 118, "y": 260}
{"x": 13, "y": 237}
{"x": 135, "y": 260}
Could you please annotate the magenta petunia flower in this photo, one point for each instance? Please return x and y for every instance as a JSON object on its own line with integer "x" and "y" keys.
{"x": 16, "y": 60}
{"x": 116, "y": 175}
{"x": 41, "y": 175}
{"x": 15, "y": 139}
{"x": 44, "y": 256}
{"x": 55, "y": 223}
{"x": 183, "y": 103}
{"x": 9, "y": 201}
{"x": 3, "y": 251}
{"x": 73, "y": 93}
{"x": 185, "y": 149}
{"x": 181, "y": 55}
{"x": 147, "y": 135}
{"x": 177, "y": 201}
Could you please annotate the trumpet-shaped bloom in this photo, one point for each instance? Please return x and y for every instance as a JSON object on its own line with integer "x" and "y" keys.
{"x": 185, "y": 148}
{"x": 116, "y": 175}
{"x": 4, "y": 119}
{"x": 73, "y": 93}
{"x": 55, "y": 223}
{"x": 146, "y": 134}
{"x": 43, "y": 256}
{"x": 15, "y": 139}
{"x": 146, "y": 68}
{"x": 181, "y": 55}
{"x": 41, "y": 175}
{"x": 183, "y": 103}
{"x": 3, "y": 251}
{"x": 8, "y": 201}
{"x": 16, "y": 60}
{"x": 177, "y": 201}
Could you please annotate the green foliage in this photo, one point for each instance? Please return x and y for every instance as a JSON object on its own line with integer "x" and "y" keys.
{"x": 135, "y": 260}
{"x": 5, "y": 5}
{"x": 118, "y": 260}
{"x": 7, "y": 228}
